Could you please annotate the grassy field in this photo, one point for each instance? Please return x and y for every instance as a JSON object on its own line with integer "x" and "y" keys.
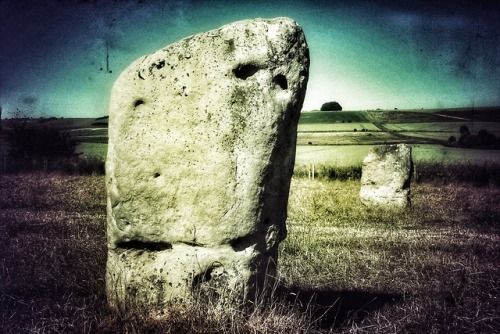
{"x": 389, "y": 126}
{"x": 333, "y": 139}
{"x": 344, "y": 138}
{"x": 343, "y": 268}
{"x": 327, "y": 132}
{"x": 353, "y": 155}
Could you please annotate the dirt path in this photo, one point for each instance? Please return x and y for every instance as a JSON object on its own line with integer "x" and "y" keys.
{"x": 454, "y": 117}
{"x": 397, "y": 134}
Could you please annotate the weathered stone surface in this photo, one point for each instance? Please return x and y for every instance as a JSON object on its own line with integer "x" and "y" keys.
{"x": 385, "y": 179}
{"x": 202, "y": 137}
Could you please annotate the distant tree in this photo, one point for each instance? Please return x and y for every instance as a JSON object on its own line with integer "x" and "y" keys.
{"x": 30, "y": 140}
{"x": 464, "y": 130}
{"x": 331, "y": 106}
{"x": 486, "y": 139}
{"x": 465, "y": 137}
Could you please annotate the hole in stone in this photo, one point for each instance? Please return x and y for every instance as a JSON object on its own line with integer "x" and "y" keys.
{"x": 156, "y": 175}
{"x": 212, "y": 273}
{"x": 240, "y": 244}
{"x": 203, "y": 277}
{"x": 159, "y": 64}
{"x": 146, "y": 246}
{"x": 245, "y": 71}
{"x": 138, "y": 103}
{"x": 281, "y": 81}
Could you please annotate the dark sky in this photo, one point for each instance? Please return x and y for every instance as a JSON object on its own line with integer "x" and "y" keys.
{"x": 364, "y": 54}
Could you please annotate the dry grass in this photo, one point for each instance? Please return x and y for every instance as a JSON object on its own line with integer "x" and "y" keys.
{"x": 431, "y": 269}
{"x": 343, "y": 268}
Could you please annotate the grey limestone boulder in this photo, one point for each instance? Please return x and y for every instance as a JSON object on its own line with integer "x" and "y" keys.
{"x": 202, "y": 137}
{"x": 385, "y": 178}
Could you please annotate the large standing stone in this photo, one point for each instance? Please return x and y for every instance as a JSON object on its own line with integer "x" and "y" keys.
{"x": 202, "y": 137}
{"x": 385, "y": 179}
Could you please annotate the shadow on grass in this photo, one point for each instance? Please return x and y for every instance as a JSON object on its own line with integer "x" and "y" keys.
{"x": 335, "y": 309}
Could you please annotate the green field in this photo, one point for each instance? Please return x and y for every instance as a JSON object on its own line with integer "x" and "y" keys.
{"x": 343, "y": 137}
{"x": 347, "y": 155}
{"x": 96, "y": 149}
{"x": 329, "y": 117}
{"x": 90, "y": 133}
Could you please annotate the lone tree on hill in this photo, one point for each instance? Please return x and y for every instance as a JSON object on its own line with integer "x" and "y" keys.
{"x": 331, "y": 106}
{"x": 464, "y": 130}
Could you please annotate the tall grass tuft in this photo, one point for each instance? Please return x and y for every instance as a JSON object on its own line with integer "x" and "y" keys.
{"x": 330, "y": 172}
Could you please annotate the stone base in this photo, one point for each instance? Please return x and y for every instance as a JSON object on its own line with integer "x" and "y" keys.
{"x": 153, "y": 280}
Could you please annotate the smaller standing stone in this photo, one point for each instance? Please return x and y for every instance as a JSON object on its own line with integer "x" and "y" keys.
{"x": 386, "y": 174}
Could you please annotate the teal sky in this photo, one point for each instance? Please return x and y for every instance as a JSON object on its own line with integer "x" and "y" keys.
{"x": 364, "y": 54}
